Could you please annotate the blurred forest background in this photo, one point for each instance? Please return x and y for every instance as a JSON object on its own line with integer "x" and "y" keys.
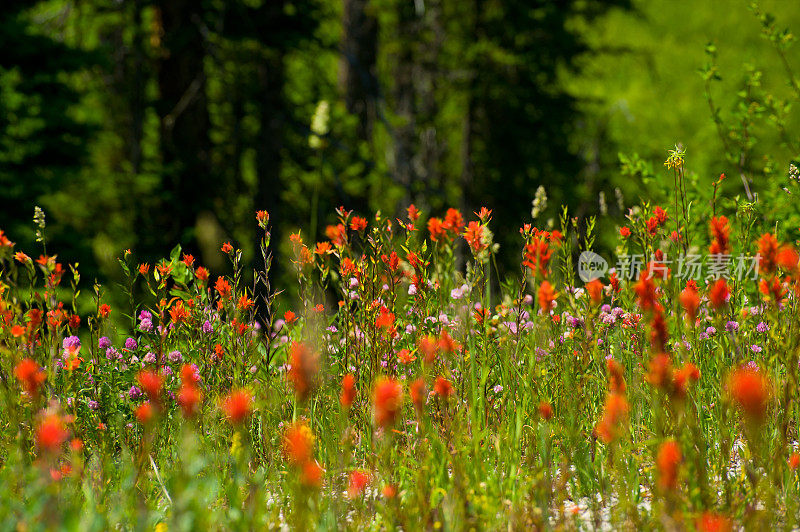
{"x": 144, "y": 123}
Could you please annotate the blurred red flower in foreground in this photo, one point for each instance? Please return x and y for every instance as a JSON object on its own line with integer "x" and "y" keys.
{"x": 51, "y": 434}
{"x": 357, "y": 483}
{"x": 348, "y": 390}
{"x": 237, "y": 406}
{"x": 668, "y": 459}
{"x": 387, "y": 401}
{"x": 750, "y": 391}
{"x": 30, "y": 375}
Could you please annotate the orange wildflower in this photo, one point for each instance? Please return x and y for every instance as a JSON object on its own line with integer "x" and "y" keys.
{"x": 720, "y": 234}
{"x": 201, "y": 274}
{"x": 667, "y": 460}
{"x": 323, "y": 248}
{"x": 51, "y": 434}
{"x": 189, "y": 397}
{"x": 615, "y": 414}
{"x": 645, "y": 290}
{"x": 312, "y": 474}
{"x": 474, "y": 237}
{"x": 418, "y": 392}
{"x": 358, "y": 223}
{"x": 547, "y": 295}
{"x": 719, "y": 293}
{"x": 144, "y": 413}
{"x": 545, "y": 411}
{"x": 178, "y": 312}
{"x": 437, "y": 229}
{"x": 151, "y": 382}
{"x": 711, "y": 522}
{"x": 616, "y": 376}
{"x": 453, "y": 221}
{"x": 357, "y": 483}
{"x": 690, "y": 301}
{"x": 226, "y": 248}
{"x": 304, "y": 369}
{"x": 387, "y": 400}
{"x": 446, "y": 343}
{"x": 682, "y": 377}
{"x": 794, "y": 461}
{"x": 660, "y": 372}
{"x": 413, "y": 213}
{"x": 223, "y": 288}
{"x": 30, "y": 375}
{"x": 750, "y": 391}
{"x": 245, "y": 303}
{"x": 429, "y": 347}
{"x": 405, "y": 356}
{"x": 348, "y": 394}
{"x": 442, "y": 387}
{"x": 237, "y": 406}
{"x": 595, "y": 290}
{"x": 298, "y": 443}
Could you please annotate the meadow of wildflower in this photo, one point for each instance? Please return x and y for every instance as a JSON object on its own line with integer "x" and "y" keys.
{"x": 407, "y": 387}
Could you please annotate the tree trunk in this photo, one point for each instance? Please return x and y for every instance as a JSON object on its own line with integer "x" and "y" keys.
{"x": 185, "y": 144}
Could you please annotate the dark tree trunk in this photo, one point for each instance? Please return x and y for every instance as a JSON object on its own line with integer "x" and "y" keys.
{"x": 185, "y": 146}
{"x": 359, "y": 55}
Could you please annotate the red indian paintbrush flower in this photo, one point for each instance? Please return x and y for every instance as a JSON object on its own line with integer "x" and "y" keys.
{"x": 178, "y": 312}
{"x": 357, "y": 483}
{"x": 750, "y": 391}
{"x": 189, "y": 397}
{"x": 151, "y": 382}
{"x": 545, "y": 411}
{"x": 51, "y": 434}
{"x": 358, "y": 223}
{"x": 547, "y": 295}
{"x": 348, "y": 394}
{"x": 428, "y": 347}
{"x": 237, "y": 406}
{"x": 304, "y": 367}
{"x": 453, "y": 221}
{"x": 615, "y": 414}
{"x": 419, "y": 393}
{"x": 595, "y": 290}
{"x": 646, "y": 290}
{"x": 718, "y": 294}
{"x": 298, "y": 443}
{"x": 437, "y": 230}
{"x": 720, "y": 234}
{"x": 223, "y": 288}
{"x": 442, "y": 387}
{"x": 690, "y": 301}
{"x": 711, "y": 522}
{"x": 668, "y": 460}
{"x": 30, "y": 375}
{"x": 658, "y": 330}
{"x": 474, "y": 237}
{"x": 144, "y": 413}
{"x": 387, "y": 400}
{"x": 682, "y": 377}
{"x": 446, "y": 343}
{"x": 616, "y": 376}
